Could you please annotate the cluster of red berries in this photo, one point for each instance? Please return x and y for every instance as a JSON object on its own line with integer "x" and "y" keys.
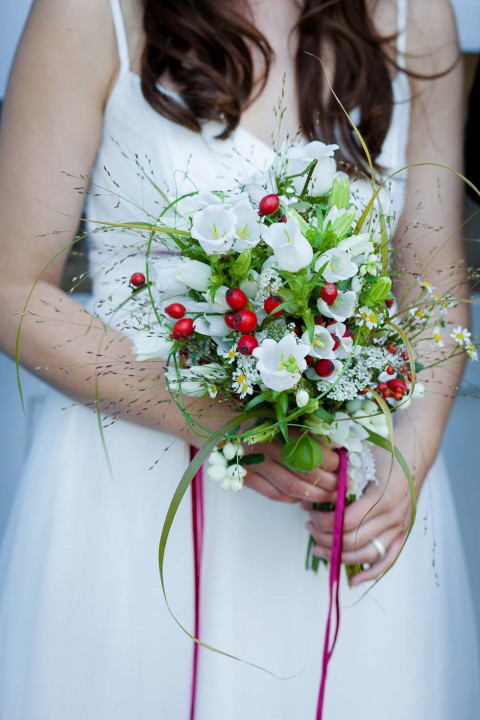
{"x": 395, "y": 388}
{"x": 242, "y": 319}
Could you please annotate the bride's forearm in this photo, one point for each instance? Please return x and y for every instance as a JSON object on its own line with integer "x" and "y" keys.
{"x": 72, "y": 350}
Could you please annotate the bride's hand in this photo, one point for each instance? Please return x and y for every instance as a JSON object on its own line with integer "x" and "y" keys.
{"x": 382, "y": 514}
{"x": 272, "y": 479}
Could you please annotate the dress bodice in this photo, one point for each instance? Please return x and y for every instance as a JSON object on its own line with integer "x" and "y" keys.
{"x": 143, "y": 157}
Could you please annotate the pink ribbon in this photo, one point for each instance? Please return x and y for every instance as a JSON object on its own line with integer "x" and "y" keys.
{"x": 197, "y": 528}
{"x": 334, "y": 582}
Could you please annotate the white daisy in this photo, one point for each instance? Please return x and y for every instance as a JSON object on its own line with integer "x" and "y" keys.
{"x": 240, "y": 384}
{"x": 437, "y": 337}
{"x": 461, "y": 336}
{"x": 366, "y": 316}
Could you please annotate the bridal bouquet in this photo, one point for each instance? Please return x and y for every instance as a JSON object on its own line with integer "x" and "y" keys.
{"x": 277, "y": 299}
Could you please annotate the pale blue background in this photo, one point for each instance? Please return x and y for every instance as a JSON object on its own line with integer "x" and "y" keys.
{"x": 462, "y": 436}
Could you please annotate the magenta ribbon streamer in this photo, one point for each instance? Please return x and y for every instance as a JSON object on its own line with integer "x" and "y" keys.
{"x": 334, "y": 582}
{"x": 197, "y": 528}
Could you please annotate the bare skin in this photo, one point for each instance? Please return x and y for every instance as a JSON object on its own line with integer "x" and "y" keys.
{"x": 53, "y": 120}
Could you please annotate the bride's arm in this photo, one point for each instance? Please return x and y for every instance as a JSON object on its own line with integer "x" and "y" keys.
{"x": 52, "y": 122}
{"x": 430, "y": 243}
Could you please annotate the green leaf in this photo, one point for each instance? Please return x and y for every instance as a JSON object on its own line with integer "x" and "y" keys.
{"x": 303, "y": 454}
{"x": 253, "y": 459}
{"x": 241, "y": 265}
{"x": 418, "y": 366}
{"x": 324, "y": 415}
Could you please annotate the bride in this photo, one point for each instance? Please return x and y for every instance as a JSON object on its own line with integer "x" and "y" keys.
{"x": 186, "y": 90}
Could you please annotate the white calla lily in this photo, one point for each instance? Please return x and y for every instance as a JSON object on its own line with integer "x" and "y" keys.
{"x": 282, "y": 363}
{"x": 291, "y": 249}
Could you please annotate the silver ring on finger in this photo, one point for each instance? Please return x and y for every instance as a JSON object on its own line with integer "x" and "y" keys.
{"x": 379, "y": 547}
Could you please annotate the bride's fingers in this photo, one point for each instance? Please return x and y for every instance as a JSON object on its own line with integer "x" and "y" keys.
{"x": 366, "y": 553}
{"x": 381, "y": 565}
{"x": 256, "y": 482}
{"x": 353, "y": 539}
{"x": 286, "y": 482}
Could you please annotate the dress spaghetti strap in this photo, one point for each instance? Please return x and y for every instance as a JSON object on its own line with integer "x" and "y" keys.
{"x": 120, "y": 35}
{"x": 402, "y": 23}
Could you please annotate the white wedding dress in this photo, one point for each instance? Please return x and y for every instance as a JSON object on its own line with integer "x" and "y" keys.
{"x": 84, "y": 630}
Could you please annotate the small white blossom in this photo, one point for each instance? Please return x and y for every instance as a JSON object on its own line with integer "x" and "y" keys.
{"x": 321, "y": 345}
{"x": 214, "y": 228}
{"x": 472, "y": 351}
{"x": 339, "y": 265}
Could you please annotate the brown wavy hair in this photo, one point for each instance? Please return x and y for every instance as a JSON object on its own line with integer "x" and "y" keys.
{"x": 202, "y": 47}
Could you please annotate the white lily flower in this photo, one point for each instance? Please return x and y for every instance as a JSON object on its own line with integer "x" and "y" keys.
{"x": 342, "y": 308}
{"x": 148, "y": 345}
{"x": 193, "y": 273}
{"x": 340, "y": 265}
{"x": 322, "y": 343}
{"x": 357, "y": 244}
{"x": 212, "y": 325}
{"x": 214, "y": 228}
{"x": 281, "y": 364}
{"x": 247, "y": 226}
{"x": 291, "y": 249}
{"x": 299, "y": 157}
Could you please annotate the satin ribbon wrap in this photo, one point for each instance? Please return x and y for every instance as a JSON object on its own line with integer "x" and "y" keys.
{"x": 197, "y": 529}
{"x": 334, "y": 580}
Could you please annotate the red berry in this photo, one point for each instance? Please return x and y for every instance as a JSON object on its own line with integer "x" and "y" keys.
{"x": 138, "y": 280}
{"x": 404, "y": 369}
{"x": 229, "y": 320}
{"x": 247, "y": 344}
{"x": 349, "y": 333}
{"x": 309, "y": 359}
{"x": 381, "y": 387}
{"x": 405, "y": 355}
{"x": 329, "y": 293}
{"x": 336, "y": 341}
{"x": 397, "y": 385}
{"x": 390, "y": 370}
{"x": 324, "y": 367}
{"x": 236, "y": 298}
{"x": 269, "y": 204}
{"x": 409, "y": 377}
{"x": 398, "y": 396}
{"x": 330, "y": 321}
{"x": 245, "y": 321}
{"x": 364, "y": 391}
{"x": 175, "y": 310}
{"x": 183, "y": 328}
{"x": 386, "y": 393}
{"x": 389, "y": 303}
{"x": 271, "y": 303}
{"x": 392, "y": 349}
{"x": 297, "y": 331}
{"x": 319, "y": 320}
{"x": 282, "y": 218}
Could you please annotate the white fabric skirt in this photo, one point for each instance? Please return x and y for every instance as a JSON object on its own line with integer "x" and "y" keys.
{"x": 85, "y": 633}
